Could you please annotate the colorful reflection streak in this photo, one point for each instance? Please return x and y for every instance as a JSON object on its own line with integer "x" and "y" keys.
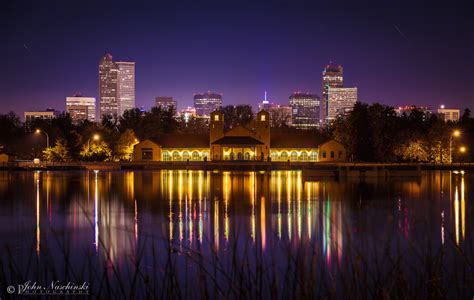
{"x": 112, "y": 213}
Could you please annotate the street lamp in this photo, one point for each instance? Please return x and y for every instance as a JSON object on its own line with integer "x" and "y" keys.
{"x": 455, "y": 133}
{"x": 95, "y": 137}
{"x": 46, "y": 134}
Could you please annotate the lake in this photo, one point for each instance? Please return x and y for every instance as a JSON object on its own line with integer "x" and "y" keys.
{"x": 199, "y": 234}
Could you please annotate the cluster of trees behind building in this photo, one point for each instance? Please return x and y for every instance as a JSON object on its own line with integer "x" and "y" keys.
{"x": 370, "y": 133}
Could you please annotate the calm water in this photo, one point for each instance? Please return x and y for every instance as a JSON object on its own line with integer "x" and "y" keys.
{"x": 180, "y": 224}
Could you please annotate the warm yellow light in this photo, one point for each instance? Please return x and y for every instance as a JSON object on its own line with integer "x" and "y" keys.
{"x": 462, "y": 149}
{"x": 38, "y": 131}
{"x": 96, "y": 137}
{"x": 456, "y": 133}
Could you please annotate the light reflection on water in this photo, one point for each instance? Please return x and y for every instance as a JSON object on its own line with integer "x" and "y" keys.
{"x": 112, "y": 213}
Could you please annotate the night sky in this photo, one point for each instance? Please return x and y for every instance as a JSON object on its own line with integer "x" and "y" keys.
{"x": 395, "y": 52}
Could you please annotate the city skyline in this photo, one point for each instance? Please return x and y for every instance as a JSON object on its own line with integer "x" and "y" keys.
{"x": 392, "y": 59}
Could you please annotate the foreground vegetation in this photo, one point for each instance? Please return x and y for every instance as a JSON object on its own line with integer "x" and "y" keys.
{"x": 160, "y": 269}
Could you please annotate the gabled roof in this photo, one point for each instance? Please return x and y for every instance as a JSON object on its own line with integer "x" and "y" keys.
{"x": 238, "y": 140}
{"x": 178, "y": 140}
{"x": 297, "y": 140}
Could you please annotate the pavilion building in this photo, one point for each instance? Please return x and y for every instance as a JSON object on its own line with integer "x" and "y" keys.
{"x": 253, "y": 142}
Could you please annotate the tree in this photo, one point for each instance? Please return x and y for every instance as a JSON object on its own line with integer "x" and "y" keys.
{"x": 125, "y": 144}
{"x": 97, "y": 151}
{"x": 360, "y": 143}
{"x": 192, "y": 125}
{"x": 59, "y": 152}
{"x": 235, "y": 115}
{"x": 131, "y": 119}
{"x": 279, "y": 117}
{"x": 158, "y": 121}
{"x": 384, "y": 127}
{"x": 414, "y": 151}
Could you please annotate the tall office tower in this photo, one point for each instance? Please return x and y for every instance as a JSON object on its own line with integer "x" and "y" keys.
{"x": 125, "y": 86}
{"x": 108, "y": 87}
{"x": 207, "y": 103}
{"x": 340, "y": 101}
{"x": 81, "y": 108}
{"x": 116, "y": 86}
{"x": 166, "y": 103}
{"x": 305, "y": 110}
{"x": 332, "y": 77}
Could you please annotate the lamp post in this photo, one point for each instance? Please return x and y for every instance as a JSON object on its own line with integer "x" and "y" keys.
{"x": 46, "y": 134}
{"x": 456, "y": 133}
{"x": 462, "y": 149}
{"x": 95, "y": 137}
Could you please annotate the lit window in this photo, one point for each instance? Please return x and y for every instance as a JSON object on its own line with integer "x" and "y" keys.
{"x": 175, "y": 155}
{"x": 185, "y": 155}
{"x": 195, "y": 155}
{"x": 294, "y": 156}
{"x": 166, "y": 156}
{"x": 284, "y": 156}
{"x": 262, "y": 118}
{"x": 216, "y": 117}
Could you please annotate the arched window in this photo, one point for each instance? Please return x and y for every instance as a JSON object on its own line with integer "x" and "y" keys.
{"x": 247, "y": 156}
{"x": 304, "y": 156}
{"x": 185, "y": 155}
{"x": 195, "y": 155}
{"x": 274, "y": 156}
{"x": 176, "y": 156}
{"x": 284, "y": 156}
{"x": 294, "y": 156}
{"x": 313, "y": 156}
{"x": 240, "y": 156}
{"x": 166, "y": 156}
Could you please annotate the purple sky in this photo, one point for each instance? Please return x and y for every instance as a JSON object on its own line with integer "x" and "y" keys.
{"x": 397, "y": 54}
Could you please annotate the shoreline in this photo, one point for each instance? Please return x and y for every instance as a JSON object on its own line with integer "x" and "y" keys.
{"x": 338, "y": 170}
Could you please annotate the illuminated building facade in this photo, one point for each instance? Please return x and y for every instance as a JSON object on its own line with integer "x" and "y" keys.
{"x": 304, "y": 110}
{"x": 166, "y": 103}
{"x": 332, "y": 78}
{"x": 125, "y": 86}
{"x": 31, "y": 116}
{"x": 108, "y": 89}
{"x": 81, "y": 108}
{"x": 253, "y": 142}
{"x": 448, "y": 114}
{"x": 340, "y": 101}
{"x": 207, "y": 103}
{"x": 116, "y": 86}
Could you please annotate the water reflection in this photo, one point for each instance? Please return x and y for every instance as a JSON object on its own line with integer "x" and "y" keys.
{"x": 113, "y": 213}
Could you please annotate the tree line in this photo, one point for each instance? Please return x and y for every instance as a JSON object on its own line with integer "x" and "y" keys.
{"x": 370, "y": 133}
{"x": 375, "y": 133}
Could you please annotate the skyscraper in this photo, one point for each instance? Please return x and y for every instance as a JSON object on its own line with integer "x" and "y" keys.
{"x": 305, "y": 110}
{"x": 81, "y": 108}
{"x": 126, "y": 86}
{"x": 108, "y": 89}
{"x": 332, "y": 77}
{"x": 207, "y": 103}
{"x": 340, "y": 101}
{"x": 116, "y": 86}
{"x": 166, "y": 102}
